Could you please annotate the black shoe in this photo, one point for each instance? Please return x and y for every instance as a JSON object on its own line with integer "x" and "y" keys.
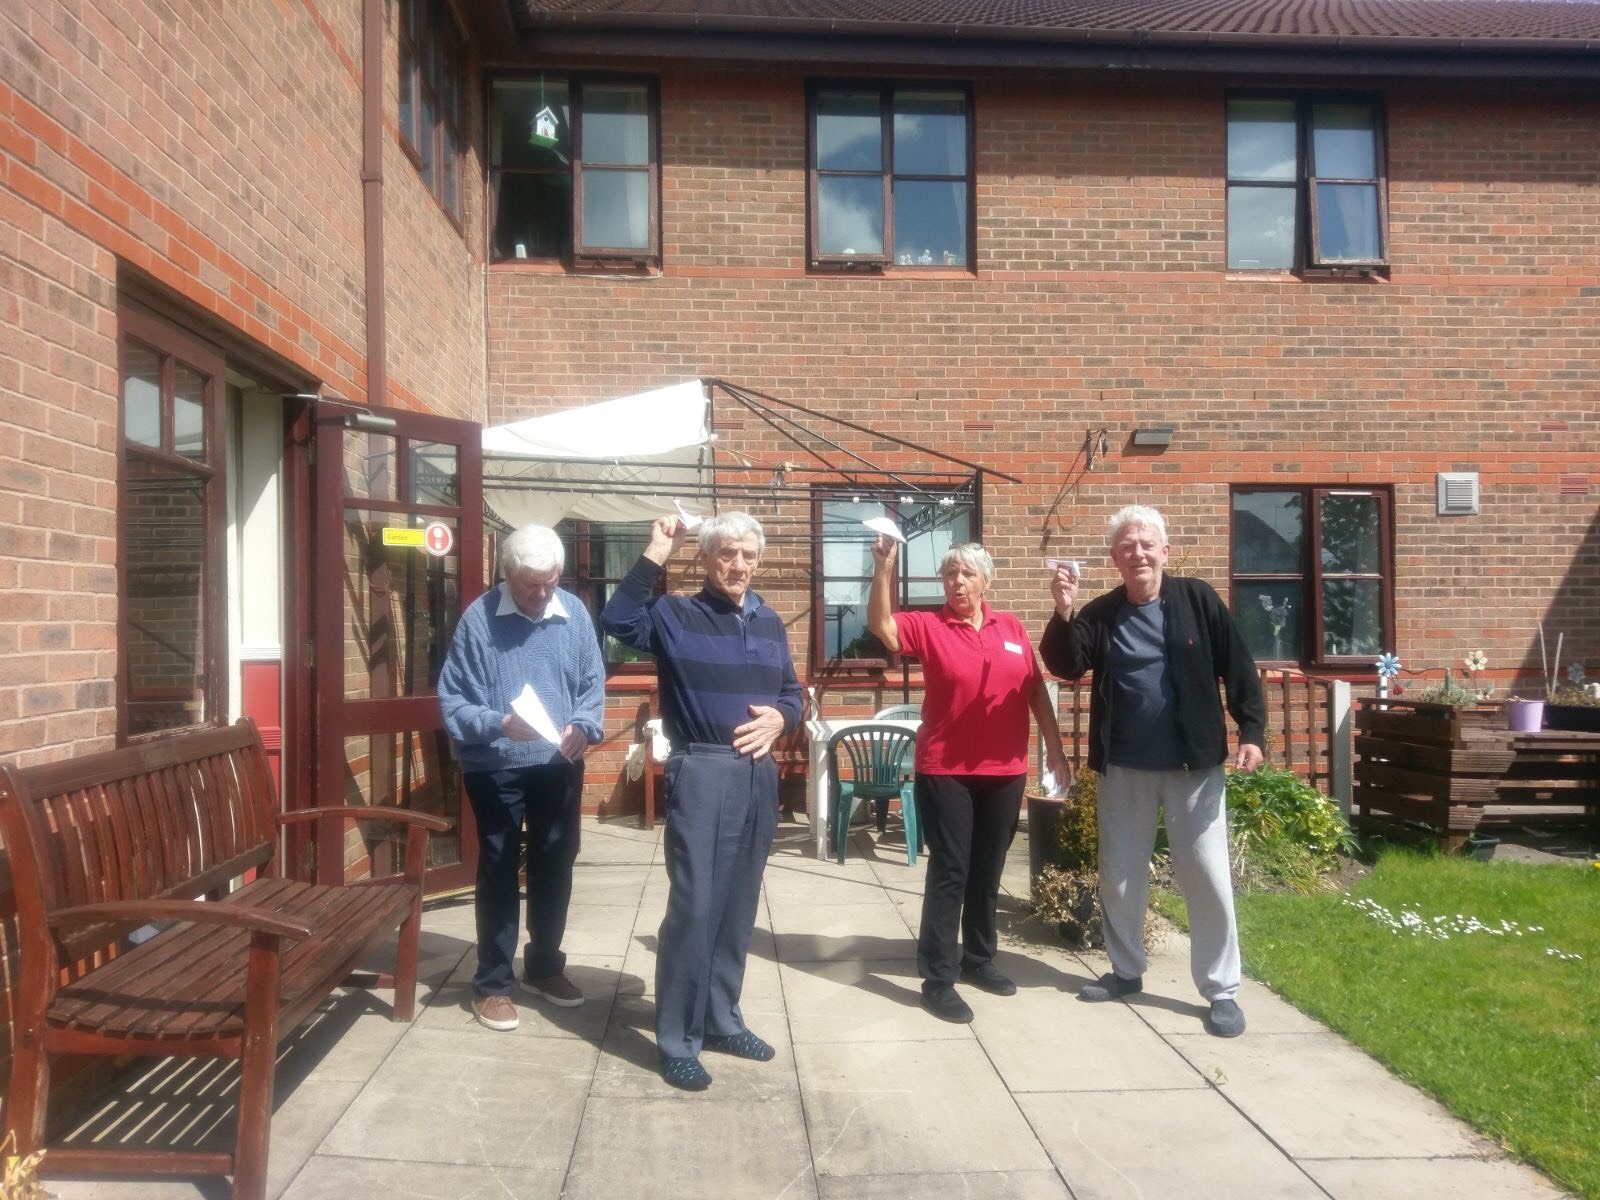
{"x": 740, "y": 1045}
{"x": 988, "y": 977}
{"x": 685, "y": 1073}
{"x": 943, "y": 1002}
{"x": 1226, "y": 1019}
{"x": 1110, "y": 987}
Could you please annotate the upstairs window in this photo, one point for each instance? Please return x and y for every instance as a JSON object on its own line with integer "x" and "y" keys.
{"x": 891, "y": 176}
{"x": 843, "y": 568}
{"x": 574, "y": 170}
{"x": 1306, "y": 184}
{"x": 431, "y": 106}
{"x": 1312, "y": 574}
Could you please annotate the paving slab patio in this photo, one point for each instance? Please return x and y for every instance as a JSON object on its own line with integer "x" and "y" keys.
{"x": 869, "y": 1097}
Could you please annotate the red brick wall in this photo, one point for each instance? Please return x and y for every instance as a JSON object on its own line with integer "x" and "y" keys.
{"x": 215, "y": 148}
{"x": 1101, "y": 299}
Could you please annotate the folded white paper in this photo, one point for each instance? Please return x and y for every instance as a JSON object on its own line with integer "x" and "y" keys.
{"x": 884, "y": 526}
{"x": 1071, "y": 564}
{"x": 531, "y": 709}
{"x": 1051, "y": 785}
{"x": 690, "y": 521}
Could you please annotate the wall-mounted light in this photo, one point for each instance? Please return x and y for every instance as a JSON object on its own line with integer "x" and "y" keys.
{"x": 1153, "y": 435}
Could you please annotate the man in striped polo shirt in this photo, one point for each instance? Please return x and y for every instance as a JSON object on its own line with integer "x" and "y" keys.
{"x": 525, "y": 632}
{"x": 728, "y": 691}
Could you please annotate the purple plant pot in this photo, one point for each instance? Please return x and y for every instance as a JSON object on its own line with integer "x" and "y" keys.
{"x": 1524, "y": 716}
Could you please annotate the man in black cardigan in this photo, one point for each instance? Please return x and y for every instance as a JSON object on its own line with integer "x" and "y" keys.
{"x": 1157, "y": 646}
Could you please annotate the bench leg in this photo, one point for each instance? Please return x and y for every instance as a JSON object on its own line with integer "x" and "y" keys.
{"x": 29, "y": 1094}
{"x": 258, "y": 1066}
{"x": 405, "y": 963}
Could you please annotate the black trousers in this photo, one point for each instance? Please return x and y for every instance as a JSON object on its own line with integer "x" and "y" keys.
{"x": 968, "y": 822}
{"x": 549, "y": 799}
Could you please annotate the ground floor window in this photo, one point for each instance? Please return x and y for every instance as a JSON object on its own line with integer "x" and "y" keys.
{"x": 599, "y": 555}
{"x": 172, "y": 513}
{"x": 842, "y": 567}
{"x": 1312, "y": 573}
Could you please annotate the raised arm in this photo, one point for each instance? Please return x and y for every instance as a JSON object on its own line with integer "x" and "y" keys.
{"x": 627, "y": 615}
{"x": 880, "y": 597}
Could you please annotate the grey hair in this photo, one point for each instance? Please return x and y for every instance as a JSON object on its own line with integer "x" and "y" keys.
{"x": 1136, "y": 514}
{"x": 730, "y": 527}
{"x": 536, "y": 547}
{"x": 969, "y": 554}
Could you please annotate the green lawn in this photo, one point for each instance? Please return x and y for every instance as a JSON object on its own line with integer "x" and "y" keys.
{"x": 1506, "y": 1034}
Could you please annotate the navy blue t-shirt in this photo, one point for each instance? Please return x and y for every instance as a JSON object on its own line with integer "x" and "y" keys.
{"x": 1144, "y": 708}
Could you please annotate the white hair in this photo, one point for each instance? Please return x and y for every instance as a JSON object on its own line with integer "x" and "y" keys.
{"x": 730, "y": 527}
{"x": 969, "y": 554}
{"x": 536, "y": 547}
{"x": 1137, "y": 514}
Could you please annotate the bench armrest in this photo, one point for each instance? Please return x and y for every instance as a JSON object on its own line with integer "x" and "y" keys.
{"x": 204, "y": 912}
{"x": 370, "y": 812}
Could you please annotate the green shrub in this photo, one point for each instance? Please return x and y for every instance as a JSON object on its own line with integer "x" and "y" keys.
{"x": 1283, "y": 831}
{"x": 1078, "y": 841}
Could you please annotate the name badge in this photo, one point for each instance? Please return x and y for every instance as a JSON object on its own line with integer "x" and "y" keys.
{"x": 1013, "y": 647}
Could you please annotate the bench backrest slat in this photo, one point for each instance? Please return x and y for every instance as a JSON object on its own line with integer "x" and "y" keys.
{"x": 172, "y": 818}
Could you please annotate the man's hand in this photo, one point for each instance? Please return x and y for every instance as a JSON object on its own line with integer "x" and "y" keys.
{"x": 1249, "y": 757}
{"x": 666, "y": 535}
{"x": 755, "y": 736}
{"x": 518, "y": 730}
{"x": 1064, "y": 591}
{"x": 574, "y": 743}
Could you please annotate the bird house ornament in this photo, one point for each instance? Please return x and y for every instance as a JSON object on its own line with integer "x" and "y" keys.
{"x": 544, "y": 129}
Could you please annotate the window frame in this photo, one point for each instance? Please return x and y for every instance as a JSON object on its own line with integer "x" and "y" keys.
{"x": 174, "y": 346}
{"x": 886, "y": 89}
{"x": 819, "y": 662}
{"x": 1307, "y": 259}
{"x": 579, "y": 253}
{"x": 576, "y": 536}
{"x": 432, "y": 53}
{"x": 1311, "y": 575}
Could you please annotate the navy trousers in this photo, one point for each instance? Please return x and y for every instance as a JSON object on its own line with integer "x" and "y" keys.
{"x": 548, "y": 798}
{"x": 721, "y": 816}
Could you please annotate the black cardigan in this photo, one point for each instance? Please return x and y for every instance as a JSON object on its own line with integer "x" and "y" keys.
{"x": 1203, "y": 645}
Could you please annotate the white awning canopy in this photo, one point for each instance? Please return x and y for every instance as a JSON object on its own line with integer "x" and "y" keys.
{"x": 599, "y": 462}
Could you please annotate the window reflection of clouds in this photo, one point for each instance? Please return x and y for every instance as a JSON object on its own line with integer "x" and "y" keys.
{"x": 851, "y": 215}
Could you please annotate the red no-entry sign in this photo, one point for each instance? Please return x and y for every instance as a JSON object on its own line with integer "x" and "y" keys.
{"x": 439, "y": 538}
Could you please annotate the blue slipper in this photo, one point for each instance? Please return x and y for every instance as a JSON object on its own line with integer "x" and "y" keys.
{"x": 685, "y": 1073}
{"x": 740, "y": 1045}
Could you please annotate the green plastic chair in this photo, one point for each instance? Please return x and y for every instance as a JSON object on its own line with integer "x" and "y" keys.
{"x": 878, "y": 758}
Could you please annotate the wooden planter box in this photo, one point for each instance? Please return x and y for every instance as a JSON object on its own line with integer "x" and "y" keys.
{"x": 1431, "y": 770}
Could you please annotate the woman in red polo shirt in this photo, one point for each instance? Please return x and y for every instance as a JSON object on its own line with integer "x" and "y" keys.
{"x": 980, "y": 680}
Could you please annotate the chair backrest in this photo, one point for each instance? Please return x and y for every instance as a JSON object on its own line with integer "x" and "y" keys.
{"x": 167, "y": 819}
{"x": 877, "y": 756}
{"x": 899, "y": 712}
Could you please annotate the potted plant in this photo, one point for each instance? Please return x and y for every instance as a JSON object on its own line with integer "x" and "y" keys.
{"x": 1575, "y": 706}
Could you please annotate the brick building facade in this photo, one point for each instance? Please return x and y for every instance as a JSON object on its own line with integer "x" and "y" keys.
{"x": 203, "y": 167}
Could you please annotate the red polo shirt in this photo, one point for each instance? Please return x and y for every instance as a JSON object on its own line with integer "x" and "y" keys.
{"x": 977, "y": 681}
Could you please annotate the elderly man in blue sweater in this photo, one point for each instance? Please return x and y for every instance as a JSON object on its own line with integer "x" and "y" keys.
{"x": 525, "y": 631}
{"x": 728, "y": 691}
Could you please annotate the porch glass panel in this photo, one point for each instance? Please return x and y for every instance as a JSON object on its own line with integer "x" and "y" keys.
{"x": 414, "y": 770}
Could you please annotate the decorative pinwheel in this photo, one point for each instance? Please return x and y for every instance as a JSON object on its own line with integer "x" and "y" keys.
{"x": 1477, "y": 661}
{"x": 1388, "y": 666}
{"x": 1576, "y": 674}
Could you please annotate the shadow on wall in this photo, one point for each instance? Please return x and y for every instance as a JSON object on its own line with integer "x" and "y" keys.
{"x": 1574, "y": 611}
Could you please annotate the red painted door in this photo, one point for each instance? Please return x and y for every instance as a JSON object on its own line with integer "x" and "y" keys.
{"x": 397, "y": 533}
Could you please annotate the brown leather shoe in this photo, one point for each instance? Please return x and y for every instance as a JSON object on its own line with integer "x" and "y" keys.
{"x": 496, "y": 1012}
{"x": 557, "y": 989}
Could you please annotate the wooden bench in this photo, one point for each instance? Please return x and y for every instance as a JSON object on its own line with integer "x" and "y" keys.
{"x": 107, "y": 843}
